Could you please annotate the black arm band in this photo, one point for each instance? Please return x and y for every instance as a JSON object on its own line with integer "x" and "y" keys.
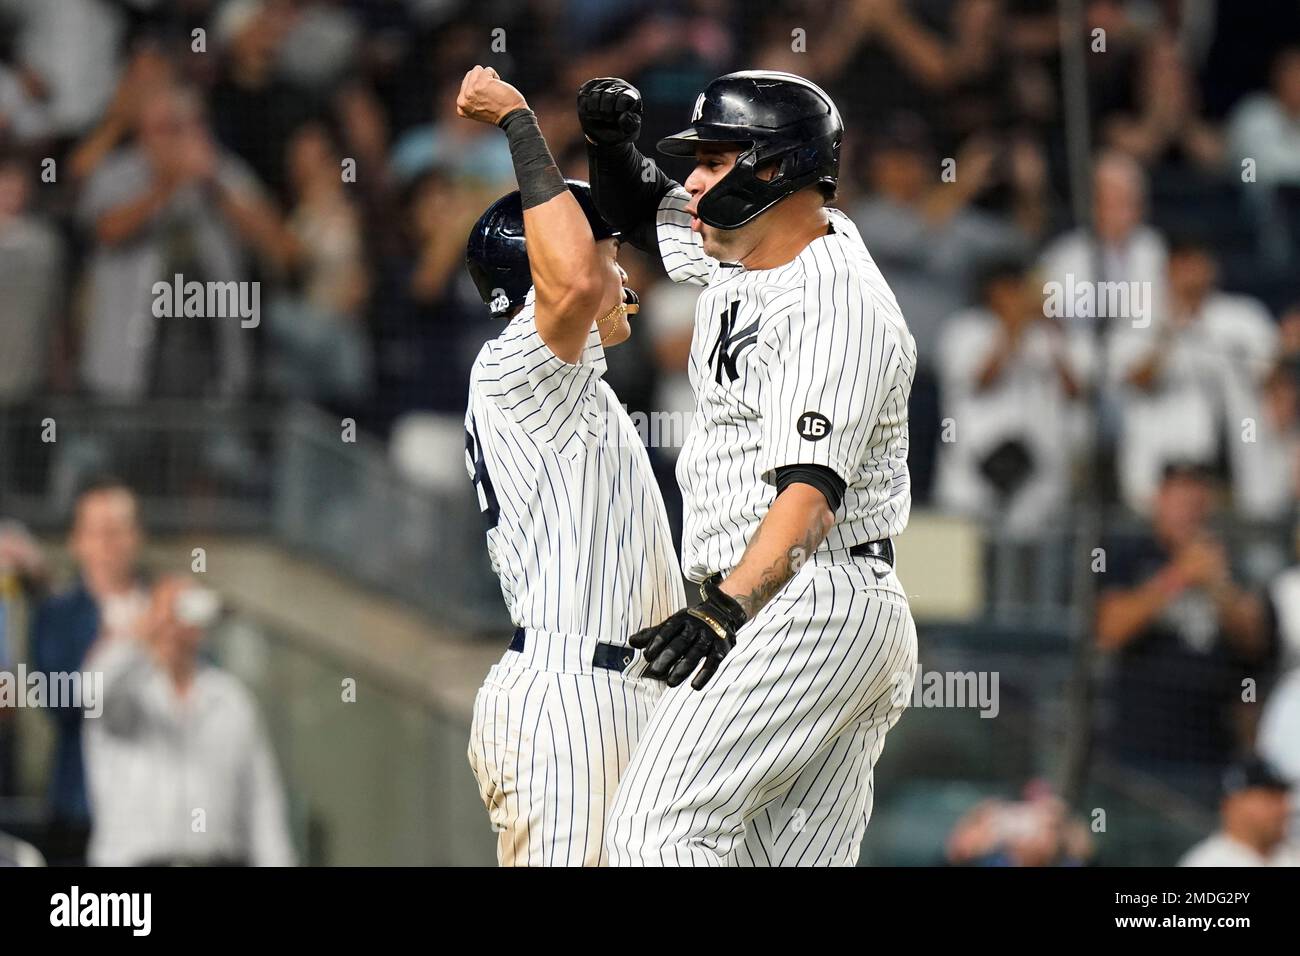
{"x": 819, "y": 476}
{"x": 625, "y": 194}
{"x": 538, "y": 177}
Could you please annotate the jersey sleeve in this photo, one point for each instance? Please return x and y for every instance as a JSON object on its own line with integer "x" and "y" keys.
{"x": 1257, "y": 334}
{"x": 1126, "y": 349}
{"x": 553, "y": 400}
{"x": 831, "y": 362}
{"x": 681, "y": 249}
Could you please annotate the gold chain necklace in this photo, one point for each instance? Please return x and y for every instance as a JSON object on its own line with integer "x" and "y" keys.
{"x": 618, "y": 311}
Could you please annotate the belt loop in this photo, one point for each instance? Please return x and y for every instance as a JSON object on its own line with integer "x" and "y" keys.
{"x": 882, "y": 549}
{"x": 613, "y": 657}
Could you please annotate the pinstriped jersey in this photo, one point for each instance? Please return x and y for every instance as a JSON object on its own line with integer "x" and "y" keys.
{"x": 807, "y": 363}
{"x": 577, "y": 531}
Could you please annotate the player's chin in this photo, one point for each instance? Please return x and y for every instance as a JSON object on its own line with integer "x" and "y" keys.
{"x": 618, "y": 335}
{"x": 622, "y": 331}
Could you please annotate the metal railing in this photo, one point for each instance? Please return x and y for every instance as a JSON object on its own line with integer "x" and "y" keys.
{"x": 285, "y": 472}
{"x": 288, "y": 473}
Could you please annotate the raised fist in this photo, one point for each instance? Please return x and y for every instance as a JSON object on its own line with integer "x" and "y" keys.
{"x": 609, "y": 110}
{"x": 485, "y": 97}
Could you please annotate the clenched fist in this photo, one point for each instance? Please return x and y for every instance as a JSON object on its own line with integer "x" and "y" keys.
{"x": 609, "y": 110}
{"x": 486, "y": 97}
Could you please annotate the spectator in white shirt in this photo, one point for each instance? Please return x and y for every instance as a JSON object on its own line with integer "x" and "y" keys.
{"x": 1253, "y": 822}
{"x": 1276, "y": 739}
{"x": 1265, "y": 127}
{"x": 170, "y": 203}
{"x": 1190, "y": 376}
{"x": 22, "y": 112}
{"x": 1264, "y": 449}
{"x": 1264, "y": 147}
{"x": 1010, "y": 379}
{"x": 1121, "y": 247}
{"x": 32, "y": 281}
{"x": 179, "y": 767}
{"x": 71, "y": 53}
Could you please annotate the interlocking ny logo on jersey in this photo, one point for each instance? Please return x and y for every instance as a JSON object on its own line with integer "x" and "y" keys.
{"x": 731, "y": 342}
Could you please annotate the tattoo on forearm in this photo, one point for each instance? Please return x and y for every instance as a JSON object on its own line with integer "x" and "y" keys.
{"x": 775, "y": 576}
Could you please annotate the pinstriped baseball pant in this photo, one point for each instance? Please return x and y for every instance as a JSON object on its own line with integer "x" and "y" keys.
{"x": 771, "y": 764}
{"x": 551, "y": 736}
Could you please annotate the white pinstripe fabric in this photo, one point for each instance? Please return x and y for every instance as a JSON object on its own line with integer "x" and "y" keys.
{"x": 547, "y": 749}
{"x": 771, "y": 764}
{"x": 821, "y": 334}
{"x": 580, "y": 541}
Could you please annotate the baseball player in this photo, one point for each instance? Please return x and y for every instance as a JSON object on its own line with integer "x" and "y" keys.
{"x": 794, "y": 478}
{"x": 577, "y": 530}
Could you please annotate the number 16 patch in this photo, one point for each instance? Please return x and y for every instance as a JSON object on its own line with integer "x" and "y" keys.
{"x": 813, "y": 426}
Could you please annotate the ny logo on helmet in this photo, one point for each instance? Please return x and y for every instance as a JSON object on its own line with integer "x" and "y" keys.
{"x": 699, "y": 109}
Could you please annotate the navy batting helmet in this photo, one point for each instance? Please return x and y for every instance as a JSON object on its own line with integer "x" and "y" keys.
{"x": 777, "y": 118}
{"x": 497, "y": 258}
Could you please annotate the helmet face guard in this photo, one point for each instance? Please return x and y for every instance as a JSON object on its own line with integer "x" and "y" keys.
{"x": 774, "y": 118}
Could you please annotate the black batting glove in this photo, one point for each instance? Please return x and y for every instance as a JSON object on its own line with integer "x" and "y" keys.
{"x": 609, "y": 110}
{"x": 706, "y": 632}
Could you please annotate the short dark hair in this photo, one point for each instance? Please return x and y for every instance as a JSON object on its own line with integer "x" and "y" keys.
{"x": 15, "y": 160}
{"x": 98, "y": 484}
{"x": 903, "y": 131}
{"x": 1191, "y": 469}
{"x": 995, "y": 271}
{"x": 1189, "y": 242}
{"x": 1287, "y": 52}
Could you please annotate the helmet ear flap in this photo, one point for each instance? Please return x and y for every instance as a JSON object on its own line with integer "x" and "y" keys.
{"x": 743, "y": 194}
{"x": 496, "y": 258}
{"x": 805, "y": 160}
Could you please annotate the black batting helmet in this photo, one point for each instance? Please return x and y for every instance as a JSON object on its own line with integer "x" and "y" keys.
{"x": 496, "y": 256}
{"x": 777, "y": 117}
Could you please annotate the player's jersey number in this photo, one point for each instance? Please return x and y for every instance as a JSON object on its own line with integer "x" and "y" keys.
{"x": 813, "y": 426}
{"x": 487, "y": 496}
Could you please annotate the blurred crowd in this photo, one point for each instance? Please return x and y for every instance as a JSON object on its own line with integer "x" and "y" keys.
{"x": 164, "y": 759}
{"x": 1153, "y": 360}
{"x": 312, "y": 146}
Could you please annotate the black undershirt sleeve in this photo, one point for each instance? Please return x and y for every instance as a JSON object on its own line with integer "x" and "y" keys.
{"x": 627, "y": 188}
{"x": 538, "y": 177}
{"x": 825, "y": 480}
